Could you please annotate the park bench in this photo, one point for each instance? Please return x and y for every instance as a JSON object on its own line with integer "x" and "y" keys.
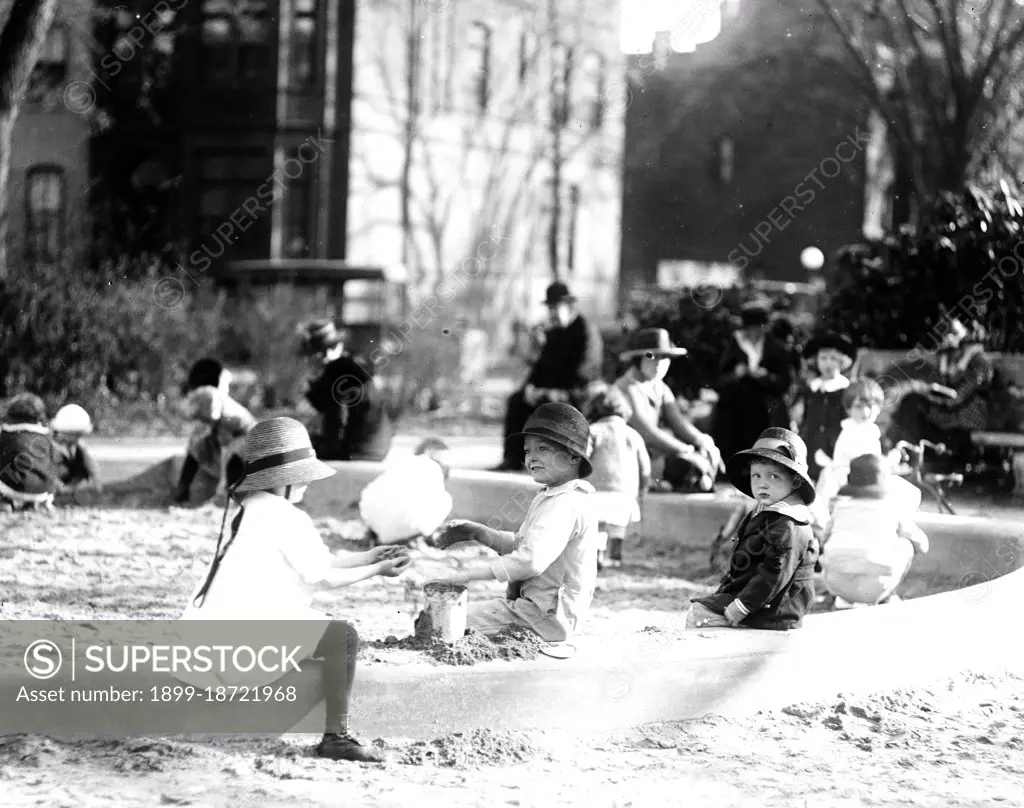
{"x": 1005, "y": 433}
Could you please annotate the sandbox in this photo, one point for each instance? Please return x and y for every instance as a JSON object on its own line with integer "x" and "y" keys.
{"x": 667, "y": 674}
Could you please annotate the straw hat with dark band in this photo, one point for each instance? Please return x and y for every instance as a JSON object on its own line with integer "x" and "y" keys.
{"x": 278, "y": 453}
{"x": 780, "y": 446}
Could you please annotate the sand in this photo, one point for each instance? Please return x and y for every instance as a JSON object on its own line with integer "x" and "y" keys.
{"x": 958, "y": 742}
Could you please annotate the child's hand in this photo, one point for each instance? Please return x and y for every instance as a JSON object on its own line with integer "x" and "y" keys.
{"x": 734, "y": 613}
{"x": 821, "y": 458}
{"x": 456, "y": 531}
{"x": 385, "y": 552}
{"x": 393, "y": 567}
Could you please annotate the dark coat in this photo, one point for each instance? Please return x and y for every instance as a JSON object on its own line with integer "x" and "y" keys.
{"x": 571, "y": 358}
{"x": 748, "y": 406}
{"x": 29, "y": 460}
{"x": 771, "y": 570}
{"x": 76, "y": 465}
{"x": 356, "y": 424}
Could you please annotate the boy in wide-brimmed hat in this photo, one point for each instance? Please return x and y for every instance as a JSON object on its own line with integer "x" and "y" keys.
{"x": 818, "y": 410}
{"x": 275, "y": 562}
{"x": 872, "y": 537}
{"x": 682, "y": 455}
{"x": 550, "y": 563}
{"x": 770, "y": 582}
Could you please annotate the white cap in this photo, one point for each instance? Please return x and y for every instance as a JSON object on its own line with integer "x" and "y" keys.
{"x": 71, "y": 418}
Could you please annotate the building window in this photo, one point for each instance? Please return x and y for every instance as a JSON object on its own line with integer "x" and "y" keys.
{"x": 571, "y": 224}
{"x": 590, "y": 106}
{"x": 479, "y": 65}
{"x": 236, "y": 40}
{"x": 302, "y": 71}
{"x": 298, "y": 212}
{"x": 51, "y": 69}
{"x": 725, "y": 160}
{"x": 561, "y": 66}
{"x": 45, "y": 210}
{"x": 438, "y": 63}
{"x": 226, "y": 180}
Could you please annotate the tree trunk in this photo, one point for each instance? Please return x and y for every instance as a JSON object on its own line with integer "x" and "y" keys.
{"x": 21, "y": 41}
{"x": 555, "y": 105}
{"x": 411, "y": 113}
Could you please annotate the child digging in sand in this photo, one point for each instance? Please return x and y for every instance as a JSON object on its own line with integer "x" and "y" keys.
{"x": 29, "y": 461}
{"x": 275, "y": 561}
{"x": 78, "y": 471}
{"x": 770, "y": 583}
{"x": 550, "y": 563}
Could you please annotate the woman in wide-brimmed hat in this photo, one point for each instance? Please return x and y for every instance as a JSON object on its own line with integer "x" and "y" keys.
{"x": 756, "y": 373}
{"x": 681, "y": 454}
{"x": 355, "y": 423}
{"x": 951, "y": 399}
{"x": 872, "y": 537}
{"x": 818, "y": 409}
{"x": 275, "y": 562}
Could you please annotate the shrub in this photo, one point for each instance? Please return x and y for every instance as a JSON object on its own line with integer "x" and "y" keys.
{"x": 968, "y": 258}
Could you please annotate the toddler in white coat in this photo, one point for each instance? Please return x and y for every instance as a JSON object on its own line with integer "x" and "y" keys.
{"x": 409, "y": 499}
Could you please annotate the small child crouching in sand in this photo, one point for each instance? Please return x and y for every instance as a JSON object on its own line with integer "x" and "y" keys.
{"x": 78, "y": 470}
{"x": 770, "y": 582}
{"x": 872, "y": 538}
{"x": 550, "y": 563}
{"x": 275, "y": 562}
{"x": 29, "y": 461}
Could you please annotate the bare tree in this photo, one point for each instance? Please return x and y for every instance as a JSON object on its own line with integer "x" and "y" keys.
{"x": 944, "y": 75}
{"x": 21, "y": 40}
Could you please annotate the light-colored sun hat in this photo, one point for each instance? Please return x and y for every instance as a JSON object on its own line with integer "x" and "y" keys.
{"x": 277, "y": 453}
{"x": 71, "y": 419}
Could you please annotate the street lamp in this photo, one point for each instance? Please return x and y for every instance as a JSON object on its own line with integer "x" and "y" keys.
{"x": 812, "y": 259}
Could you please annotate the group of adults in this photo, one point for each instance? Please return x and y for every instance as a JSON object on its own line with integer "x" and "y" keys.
{"x": 757, "y": 371}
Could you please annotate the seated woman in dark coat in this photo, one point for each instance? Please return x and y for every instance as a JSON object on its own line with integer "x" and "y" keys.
{"x": 355, "y": 423}
{"x": 951, "y": 399}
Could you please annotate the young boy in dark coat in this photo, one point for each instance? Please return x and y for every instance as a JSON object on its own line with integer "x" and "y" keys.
{"x": 29, "y": 460}
{"x": 769, "y": 584}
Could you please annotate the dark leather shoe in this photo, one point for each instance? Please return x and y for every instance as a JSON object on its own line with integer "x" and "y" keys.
{"x": 345, "y": 747}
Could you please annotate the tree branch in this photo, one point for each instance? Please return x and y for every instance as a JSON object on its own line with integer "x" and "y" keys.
{"x": 21, "y": 40}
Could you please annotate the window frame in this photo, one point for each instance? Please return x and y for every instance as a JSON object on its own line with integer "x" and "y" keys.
{"x": 58, "y": 216}
{"x": 315, "y": 72}
{"x": 235, "y": 44}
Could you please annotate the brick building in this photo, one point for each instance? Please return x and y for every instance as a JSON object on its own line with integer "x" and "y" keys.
{"x": 48, "y": 186}
{"x": 432, "y": 135}
{"x": 732, "y": 156}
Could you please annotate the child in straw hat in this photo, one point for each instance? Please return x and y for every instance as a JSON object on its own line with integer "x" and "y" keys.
{"x": 275, "y": 562}
{"x": 770, "y": 583}
{"x": 550, "y": 563}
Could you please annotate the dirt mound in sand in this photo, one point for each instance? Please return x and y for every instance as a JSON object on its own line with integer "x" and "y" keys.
{"x": 511, "y": 643}
{"x": 122, "y": 755}
{"x": 460, "y": 750}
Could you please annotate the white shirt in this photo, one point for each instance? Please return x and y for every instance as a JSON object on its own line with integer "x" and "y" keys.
{"x": 269, "y": 572}
{"x": 753, "y": 350}
{"x": 854, "y": 440}
{"x": 408, "y": 499}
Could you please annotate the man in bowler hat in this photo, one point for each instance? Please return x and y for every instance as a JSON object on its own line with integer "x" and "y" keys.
{"x": 566, "y": 371}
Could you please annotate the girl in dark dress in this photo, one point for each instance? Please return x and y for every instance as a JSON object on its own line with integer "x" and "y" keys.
{"x": 818, "y": 411}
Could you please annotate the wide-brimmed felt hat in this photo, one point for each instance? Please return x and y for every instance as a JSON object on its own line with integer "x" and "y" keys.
{"x": 780, "y": 446}
{"x": 868, "y": 478}
{"x": 72, "y": 420}
{"x": 562, "y": 424}
{"x": 650, "y": 343}
{"x": 320, "y": 336}
{"x": 557, "y": 293}
{"x": 25, "y": 408}
{"x": 278, "y": 452}
{"x": 830, "y": 339}
{"x": 206, "y": 372}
